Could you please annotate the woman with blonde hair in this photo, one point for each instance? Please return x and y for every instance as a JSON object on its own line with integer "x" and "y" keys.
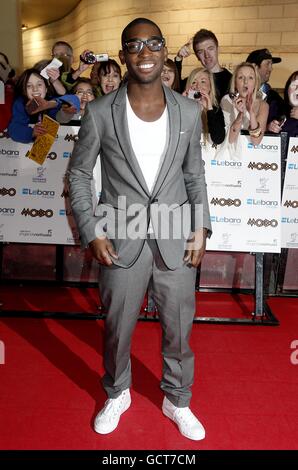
{"x": 200, "y": 86}
{"x": 243, "y": 109}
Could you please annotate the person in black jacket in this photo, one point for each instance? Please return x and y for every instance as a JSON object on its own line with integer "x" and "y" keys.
{"x": 205, "y": 46}
{"x": 263, "y": 59}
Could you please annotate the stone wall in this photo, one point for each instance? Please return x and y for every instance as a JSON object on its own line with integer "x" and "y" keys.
{"x": 241, "y": 26}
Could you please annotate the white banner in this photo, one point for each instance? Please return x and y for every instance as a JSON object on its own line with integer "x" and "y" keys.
{"x": 34, "y": 200}
{"x": 289, "y": 212}
{"x": 244, "y": 195}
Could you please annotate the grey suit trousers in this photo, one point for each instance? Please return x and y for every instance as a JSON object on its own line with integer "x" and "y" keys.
{"x": 122, "y": 292}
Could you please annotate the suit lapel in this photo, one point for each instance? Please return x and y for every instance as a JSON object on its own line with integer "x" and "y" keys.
{"x": 173, "y": 139}
{"x": 122, "y": 133}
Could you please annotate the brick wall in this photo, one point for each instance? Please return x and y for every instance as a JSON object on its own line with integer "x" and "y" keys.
{"x": 240, "y": 25}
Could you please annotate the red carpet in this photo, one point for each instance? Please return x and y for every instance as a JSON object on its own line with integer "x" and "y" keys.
{"x": 245, "y": 389}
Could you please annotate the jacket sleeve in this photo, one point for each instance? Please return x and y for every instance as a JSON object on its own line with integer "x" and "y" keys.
{"x": 80, "y": 174}
{"x": 194, "y": 178}
{"x": 19, "y": 129}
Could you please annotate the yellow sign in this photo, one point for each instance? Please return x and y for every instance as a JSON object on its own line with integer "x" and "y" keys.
{"x": 43, "y": 143}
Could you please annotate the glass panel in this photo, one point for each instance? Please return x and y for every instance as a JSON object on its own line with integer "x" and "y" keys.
{"x": 226, "y": 270}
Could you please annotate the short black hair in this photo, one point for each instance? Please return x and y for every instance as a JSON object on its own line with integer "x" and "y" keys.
{"x": 134, "y": 23}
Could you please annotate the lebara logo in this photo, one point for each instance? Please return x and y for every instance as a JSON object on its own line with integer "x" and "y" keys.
{"x": 227, "y": 163}
{"x": 10, "y": 153}
{"x": 37, "y": 192}
{"x": 66, "y": 154}
{"x": 289, "y": 220}
{"x": 261, "y": 202}
{"x": 270, "y": 148}
{"x": 293, "y": 166}
{"x": 225, "y": 220}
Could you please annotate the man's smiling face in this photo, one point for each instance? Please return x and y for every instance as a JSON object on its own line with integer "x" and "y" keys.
{"x": 144, "y": 66}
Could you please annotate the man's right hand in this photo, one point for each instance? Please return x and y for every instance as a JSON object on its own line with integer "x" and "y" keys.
{"x": 274, "y": 126}
{"x": 185, "y": 50}
{"x": 103, "y": 250}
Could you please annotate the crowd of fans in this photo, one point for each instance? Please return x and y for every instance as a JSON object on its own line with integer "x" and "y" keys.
{"x": 229, "y": 103}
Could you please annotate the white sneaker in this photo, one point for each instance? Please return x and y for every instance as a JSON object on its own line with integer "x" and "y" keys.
{"x": 188, "y": 424}
{"x": 108, "y": 418}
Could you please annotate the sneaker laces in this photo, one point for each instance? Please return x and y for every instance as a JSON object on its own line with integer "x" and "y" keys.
{"x": 185, "y": 415}
{"x": 113, "y": 406}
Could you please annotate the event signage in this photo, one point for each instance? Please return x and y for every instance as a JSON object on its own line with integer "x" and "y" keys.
{"x": 243, "y": 192}
{"x": 243, "y": 186}
{"x": 289, "y": 211}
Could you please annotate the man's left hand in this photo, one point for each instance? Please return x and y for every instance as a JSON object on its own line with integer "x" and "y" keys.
{"x": 196, "y": 247}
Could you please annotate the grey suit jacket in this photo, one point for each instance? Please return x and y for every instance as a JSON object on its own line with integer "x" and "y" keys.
{"x": 178, "y": 202}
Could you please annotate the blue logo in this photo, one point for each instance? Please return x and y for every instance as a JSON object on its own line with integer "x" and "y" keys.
{"x": 66, "y": 154}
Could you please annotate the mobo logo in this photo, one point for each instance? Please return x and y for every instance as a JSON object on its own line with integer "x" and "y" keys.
{"x": 293, "y": 204}
{"x": 263, "y": 166}
{"x": 70, "y": 137}
{"x": 7, "y": 192}
{"x": 37, "y": 212}
{"x": 225, "y": 202}
{"x": 262, "y": 222}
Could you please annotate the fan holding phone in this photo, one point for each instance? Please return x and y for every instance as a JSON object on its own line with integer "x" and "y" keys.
{"x": 200, "y": 87}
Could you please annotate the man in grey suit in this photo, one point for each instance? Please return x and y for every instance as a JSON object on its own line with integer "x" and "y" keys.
{"x": 151, "y": 221}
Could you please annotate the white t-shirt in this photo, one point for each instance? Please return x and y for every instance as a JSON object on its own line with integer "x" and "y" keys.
{"x": 149, "y": 141}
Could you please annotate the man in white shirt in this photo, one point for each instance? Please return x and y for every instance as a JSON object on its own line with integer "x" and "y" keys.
{"x": 148, "y": 138}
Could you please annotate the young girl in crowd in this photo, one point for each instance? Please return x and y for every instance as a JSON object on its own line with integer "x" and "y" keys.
{"x": 84, "y": 91}
{"x": 32, "y": 100}
{"x": 170, "y": 75}
{"x": 289, "y": 122}
{"x": 109, "y": 75}
{"x": 242, "y": 107}
{"x": 201, "y": 80}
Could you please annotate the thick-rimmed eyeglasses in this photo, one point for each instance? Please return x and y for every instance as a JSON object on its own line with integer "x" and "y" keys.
{"x": 83, "y": 92}
{"x": 135, "y": 45}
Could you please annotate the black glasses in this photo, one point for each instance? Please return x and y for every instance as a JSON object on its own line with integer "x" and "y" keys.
{"x": 135, "y": 45}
